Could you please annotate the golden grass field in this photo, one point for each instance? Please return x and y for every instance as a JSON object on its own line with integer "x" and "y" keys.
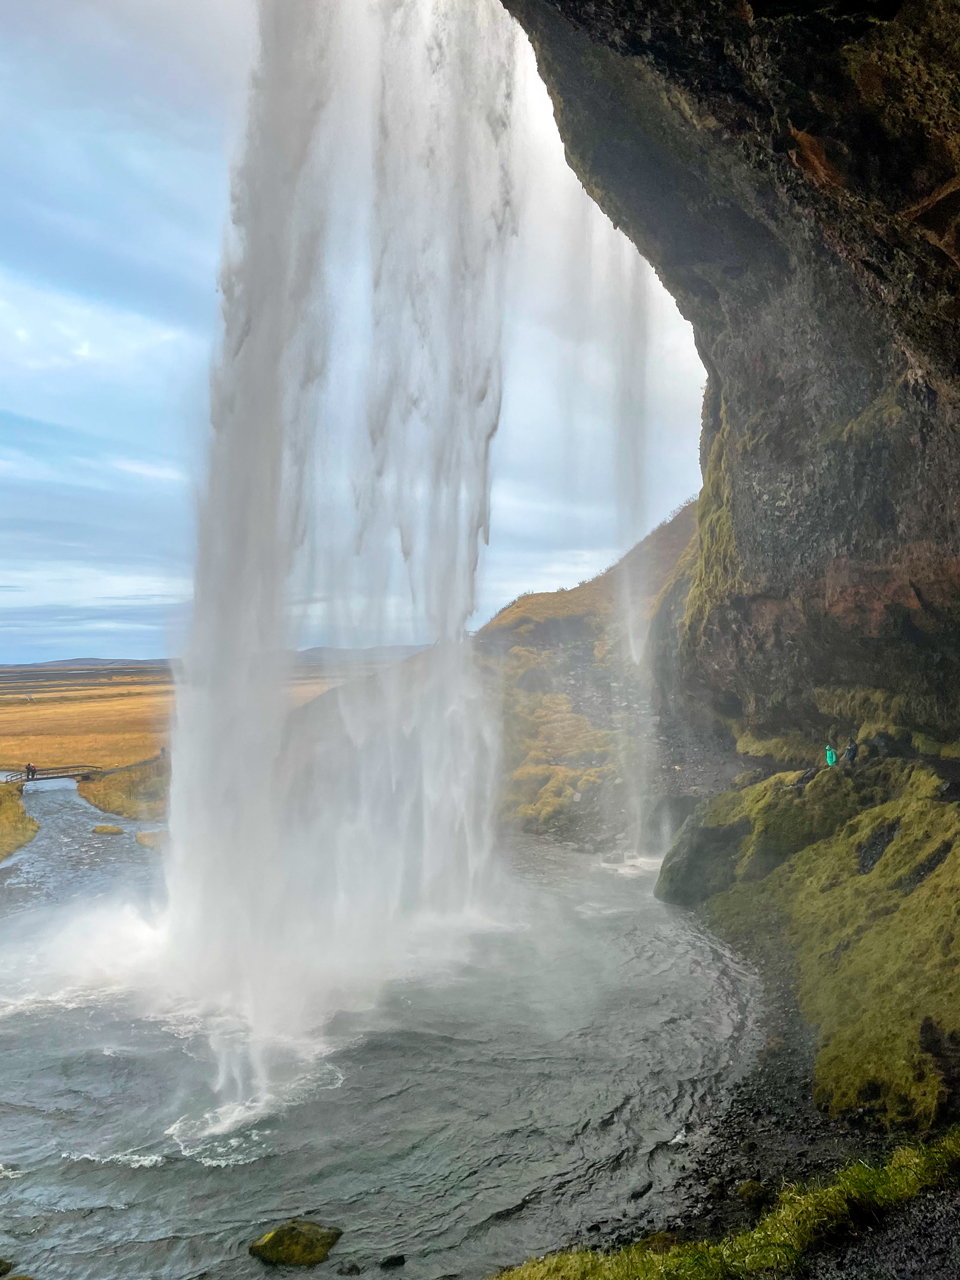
{"x": 83, "y": 717}
{"x": 104, "y": 718}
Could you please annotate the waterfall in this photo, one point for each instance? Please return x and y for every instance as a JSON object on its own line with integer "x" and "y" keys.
{"x": 315, "y": 852}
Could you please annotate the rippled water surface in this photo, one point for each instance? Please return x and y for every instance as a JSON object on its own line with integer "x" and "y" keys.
{"x": 499, "y": 1109}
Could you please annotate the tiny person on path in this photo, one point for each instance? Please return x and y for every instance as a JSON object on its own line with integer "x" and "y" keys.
{"x": 831, "y": 756}
{"x": 852, "y": 751}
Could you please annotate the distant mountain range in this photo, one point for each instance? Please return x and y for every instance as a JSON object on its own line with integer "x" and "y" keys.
{"x": 316, "y": 657}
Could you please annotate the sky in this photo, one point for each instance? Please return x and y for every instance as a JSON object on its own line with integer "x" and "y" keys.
{"x": 121, "y": 119}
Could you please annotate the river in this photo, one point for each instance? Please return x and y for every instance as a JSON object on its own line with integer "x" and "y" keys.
{"x": 541, "y": 1090}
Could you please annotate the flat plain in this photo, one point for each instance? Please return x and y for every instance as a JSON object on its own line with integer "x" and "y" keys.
{"x": 102, "y": 716}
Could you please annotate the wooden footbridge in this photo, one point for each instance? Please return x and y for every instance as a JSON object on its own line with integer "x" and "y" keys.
{"x": 79, "y": 771}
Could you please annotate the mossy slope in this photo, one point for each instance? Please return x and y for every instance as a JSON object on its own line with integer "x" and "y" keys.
{"x": 139, "y": 791}
{"x": 564, "y": 759}
{"x": 17, "y": 828}
{"x": 557, "y": 657}
{"x": 803, "y": 1219}
{"x": 859, "y": 872}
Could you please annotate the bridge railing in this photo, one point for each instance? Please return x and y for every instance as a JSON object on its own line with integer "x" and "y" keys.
{"x": 68, "y": 771}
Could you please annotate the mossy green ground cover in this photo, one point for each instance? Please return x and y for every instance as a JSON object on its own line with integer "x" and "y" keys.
{"x": 551, "y": 754}
{"x": 803, "y": 1219}
{"x": 859, "y": 872}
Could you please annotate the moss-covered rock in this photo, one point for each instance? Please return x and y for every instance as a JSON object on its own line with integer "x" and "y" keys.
{"x": 741, "y": 835}
{"x": 755, "y": 1195}
{"x": 299, "y": 1243}
{"x": 858, "y": 871}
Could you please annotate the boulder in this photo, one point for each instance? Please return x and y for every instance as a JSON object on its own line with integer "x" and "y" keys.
{"x": 104, "y": 829}
{"x": 152, "y": 839}
{"x": 298, "y": 1243}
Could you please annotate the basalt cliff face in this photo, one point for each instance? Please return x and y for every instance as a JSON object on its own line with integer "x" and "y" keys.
{"x": 792, "y": 171}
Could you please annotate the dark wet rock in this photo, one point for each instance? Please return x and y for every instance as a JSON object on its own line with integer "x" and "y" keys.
{"x": 790, "y": 170}
{"x": 665, "y": 818}
{"x": 5, "y": 1267}
{"x": 392, "y": 1261}
{"x": 875, "y": 846}
{"x": 639, "y": 1192}
{"x": 348, "y": 1269}
{"x": 918, "y": 1242}
{"x": 888, "y": 746}
{"x": 299, "y": 1243}
{"x": 701, "y": 861}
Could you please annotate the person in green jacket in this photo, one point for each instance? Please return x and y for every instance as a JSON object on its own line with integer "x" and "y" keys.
{"x": 831, "y": 755}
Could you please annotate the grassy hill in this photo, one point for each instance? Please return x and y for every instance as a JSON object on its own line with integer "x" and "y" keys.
{"x": 548, "y": 617}
{"x": 571, "y": 691}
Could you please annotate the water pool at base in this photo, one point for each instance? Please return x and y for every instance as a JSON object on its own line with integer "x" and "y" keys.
{"x": 499, "y": 1109}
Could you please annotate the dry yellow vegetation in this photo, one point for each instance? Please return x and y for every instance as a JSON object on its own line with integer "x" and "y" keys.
{"x": 138, "y": 791}
{"x": 16, "y": 825}
{"x": 88, "y": 717}
{"x": 636, "y": 580}
{"x": 108, "y": 719}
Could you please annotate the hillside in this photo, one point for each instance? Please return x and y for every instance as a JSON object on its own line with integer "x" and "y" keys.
{"x": 547, "y": 617}
{"x": 579, "y": 738}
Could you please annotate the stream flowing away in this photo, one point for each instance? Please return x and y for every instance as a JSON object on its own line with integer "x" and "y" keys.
{"x": 542, "y": 1082}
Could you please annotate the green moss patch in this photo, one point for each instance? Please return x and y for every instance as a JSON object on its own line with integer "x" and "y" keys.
{"x": 859, "y": 873}
{"x": 802, "y": 1220}
{"x": 717, "y": 576}
{"x": 562, "y": 759}
{"x": 296, "y": 1244}
{"x": 742, "y": 835}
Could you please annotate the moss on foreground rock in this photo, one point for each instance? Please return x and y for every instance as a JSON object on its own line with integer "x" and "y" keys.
{"x": 296, "y": 1244}
{"x": 858, "y": 871}
{"x": 803, "y": 1219}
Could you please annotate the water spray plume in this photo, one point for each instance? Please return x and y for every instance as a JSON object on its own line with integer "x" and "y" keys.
{"x": 314, "y": 853}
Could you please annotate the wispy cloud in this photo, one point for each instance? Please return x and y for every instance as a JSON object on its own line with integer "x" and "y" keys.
{"x": 149, "y": 470}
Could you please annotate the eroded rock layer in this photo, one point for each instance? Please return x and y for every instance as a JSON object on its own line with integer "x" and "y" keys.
{"x": 792, "y": 171}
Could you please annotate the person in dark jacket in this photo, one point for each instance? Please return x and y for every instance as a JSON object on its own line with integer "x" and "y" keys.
{"x": 852, "y": 751}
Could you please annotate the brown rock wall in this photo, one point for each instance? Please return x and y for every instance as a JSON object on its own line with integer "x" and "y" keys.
{"x": 792, "y": 171}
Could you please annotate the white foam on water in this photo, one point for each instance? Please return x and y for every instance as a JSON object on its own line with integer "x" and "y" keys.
{"x": 131, "y": 1159}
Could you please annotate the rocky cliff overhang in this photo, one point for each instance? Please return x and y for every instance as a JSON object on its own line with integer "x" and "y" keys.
{"x": 792, "y": 172}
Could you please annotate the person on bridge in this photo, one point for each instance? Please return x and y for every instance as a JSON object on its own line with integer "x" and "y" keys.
{"x": 31, "y": 772}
